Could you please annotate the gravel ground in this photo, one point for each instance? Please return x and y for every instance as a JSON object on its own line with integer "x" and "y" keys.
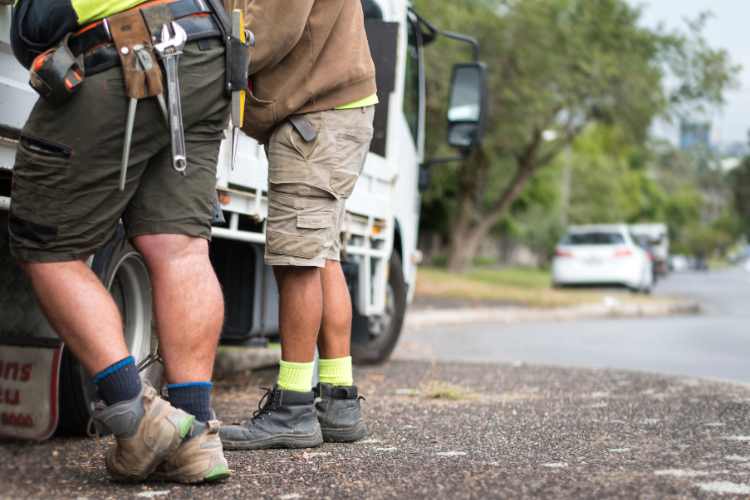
{"x": 512, "y": 432}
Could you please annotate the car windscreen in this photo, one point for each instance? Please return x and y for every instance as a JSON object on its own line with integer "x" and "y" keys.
{"x": 593, "y": 238}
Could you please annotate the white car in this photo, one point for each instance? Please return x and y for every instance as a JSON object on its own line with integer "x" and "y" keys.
{"x": 602, "y": 255}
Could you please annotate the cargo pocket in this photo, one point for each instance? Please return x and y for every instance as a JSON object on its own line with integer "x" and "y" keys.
{"x": 350, "y": 157}
{"x": 34, "y": 211}
{"x": 314, "y": 221}
{"x": 296, "y": 246}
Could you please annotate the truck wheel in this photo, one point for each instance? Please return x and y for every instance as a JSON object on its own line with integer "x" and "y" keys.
{"x": 123, "y": 271}
{"x": 384, "y": 331}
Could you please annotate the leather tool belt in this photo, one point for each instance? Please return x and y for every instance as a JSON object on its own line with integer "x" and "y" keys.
{"x": 99, "y": 52}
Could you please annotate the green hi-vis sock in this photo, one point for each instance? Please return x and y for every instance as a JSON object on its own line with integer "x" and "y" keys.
{"x": 296, "y": 377}
{"x": 336, "y": 371}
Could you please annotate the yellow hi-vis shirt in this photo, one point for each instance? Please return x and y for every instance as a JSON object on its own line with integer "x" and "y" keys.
{"x": 370, "y": 100}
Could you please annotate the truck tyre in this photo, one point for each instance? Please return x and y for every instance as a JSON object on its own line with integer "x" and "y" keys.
{"x": 384, "y": 331}
{"x": 123, "y": 271}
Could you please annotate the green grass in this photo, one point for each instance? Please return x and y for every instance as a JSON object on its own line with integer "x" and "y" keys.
{"x": 527, "y": 277}
{"x": 444, "y": 390}
{"x": 528, "y": 286}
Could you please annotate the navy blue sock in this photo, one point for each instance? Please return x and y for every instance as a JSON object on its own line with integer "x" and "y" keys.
{"x": 192, "y": 397}
{"x": 119, "y": 382}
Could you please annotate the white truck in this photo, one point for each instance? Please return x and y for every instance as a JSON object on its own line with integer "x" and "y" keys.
{"x": 44, "y": 388}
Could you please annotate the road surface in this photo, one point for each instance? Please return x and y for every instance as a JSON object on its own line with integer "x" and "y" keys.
{"x": 715, "y": 345}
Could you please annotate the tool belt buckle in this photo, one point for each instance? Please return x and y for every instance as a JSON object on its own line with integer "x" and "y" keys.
{"x": 56, "y": 74}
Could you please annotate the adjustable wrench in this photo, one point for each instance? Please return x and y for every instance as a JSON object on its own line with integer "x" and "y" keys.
{"x": 169, "y": 51}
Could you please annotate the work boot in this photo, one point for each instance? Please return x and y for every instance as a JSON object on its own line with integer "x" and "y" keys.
{"x": 339, "y": 413}
{"x": 286, "y": 420}
{"x": 147, "y": 430}
{"x": 200, "y": 457}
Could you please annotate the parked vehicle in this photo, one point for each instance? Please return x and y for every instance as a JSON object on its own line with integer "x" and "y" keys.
{"x": 678, "y": 263}
{"x": 601, "y": 255}
{"x": 656, "y": 236}
{"x": 644, "y": 243}
{"x": 380, "y": 254}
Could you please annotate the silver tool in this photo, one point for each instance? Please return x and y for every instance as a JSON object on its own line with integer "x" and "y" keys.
{"x": 128, "y": 135}
{"x": 143, "y": 55}
{"x": 128, "y": 138}
{"x": 169, "y": 51}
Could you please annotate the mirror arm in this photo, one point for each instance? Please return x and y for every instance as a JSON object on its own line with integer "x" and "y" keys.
{"x": 434, "y": 31}
{"x": 464, "y": 38}
{"x": 444, "y": 159}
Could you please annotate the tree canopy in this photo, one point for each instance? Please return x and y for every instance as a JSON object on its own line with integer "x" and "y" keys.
{"x": 558, "y": 69}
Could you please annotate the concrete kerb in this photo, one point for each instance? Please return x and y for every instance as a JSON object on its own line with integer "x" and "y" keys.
{"x": 234, "y": 360}
{"x": 508, "y": 315}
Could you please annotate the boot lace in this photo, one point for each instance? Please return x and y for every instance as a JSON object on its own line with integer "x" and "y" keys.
{"x": 271, "y": 399}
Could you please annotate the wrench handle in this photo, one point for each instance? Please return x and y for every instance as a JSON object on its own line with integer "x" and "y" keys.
{"x": 176, "y": 132}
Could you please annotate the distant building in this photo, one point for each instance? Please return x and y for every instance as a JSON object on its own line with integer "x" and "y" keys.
{"x": 694, "y": 134}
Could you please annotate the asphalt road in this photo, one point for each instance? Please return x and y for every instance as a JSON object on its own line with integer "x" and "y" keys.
{"x": 712, "y": 345}
{"x": 497, "y": 430}
{"x": 514, "y": 432}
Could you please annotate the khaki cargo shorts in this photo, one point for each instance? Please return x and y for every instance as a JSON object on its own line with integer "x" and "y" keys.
{"x": 66, "y": 203}
{"x": 309, "y": 183}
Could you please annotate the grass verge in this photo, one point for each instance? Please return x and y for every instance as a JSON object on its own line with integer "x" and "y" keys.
{"x": 523, "y": 286}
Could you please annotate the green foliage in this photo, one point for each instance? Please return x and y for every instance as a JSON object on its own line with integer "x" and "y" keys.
{"x": 739, "y": 180}
{"x": 702, "y": 241}
{"x": 584, "y": 69}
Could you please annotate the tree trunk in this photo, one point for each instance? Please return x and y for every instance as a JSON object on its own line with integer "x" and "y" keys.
{"x": 469, "y": 230}
{"x": 464, "y": 246}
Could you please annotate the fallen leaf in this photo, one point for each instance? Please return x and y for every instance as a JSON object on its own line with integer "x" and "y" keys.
{"x": 302, "y": 456}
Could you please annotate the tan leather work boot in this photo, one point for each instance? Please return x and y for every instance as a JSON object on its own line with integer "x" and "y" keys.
{"x": 147, "y": 430}
{"x": 199, "y": 458}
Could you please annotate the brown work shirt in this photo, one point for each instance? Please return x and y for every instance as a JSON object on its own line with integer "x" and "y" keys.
{"x": 308, "y": 56}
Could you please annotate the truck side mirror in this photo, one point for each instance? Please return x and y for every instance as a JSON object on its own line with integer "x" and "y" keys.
{"x": 467, "y": 105}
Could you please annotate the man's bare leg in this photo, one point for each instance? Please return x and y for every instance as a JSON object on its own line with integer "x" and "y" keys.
{"x": 188, "y": 304}
{"x": 80, "y": 310}
{"x": 336, "y": 325}
{"x": 300, "y": 311}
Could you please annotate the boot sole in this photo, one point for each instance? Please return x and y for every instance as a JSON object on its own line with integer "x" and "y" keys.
{"x": 213, "y": 469}
{"x": 349, "y": 434}
{"x": 280, "y": 441}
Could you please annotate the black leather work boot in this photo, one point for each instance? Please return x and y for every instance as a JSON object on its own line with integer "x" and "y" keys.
{"x": 286, "y": 420}
{"x": 339, "y": 413}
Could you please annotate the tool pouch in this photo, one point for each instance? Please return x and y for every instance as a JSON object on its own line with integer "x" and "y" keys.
{"x": 237, "y": 52}
{"x": 56, "y": 73}
{"x": 238, "y": 59}
{"x": 128, "y": 31}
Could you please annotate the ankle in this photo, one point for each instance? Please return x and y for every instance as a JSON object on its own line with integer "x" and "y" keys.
{"x": 119, "y": 382}
{"x": 336, "y": 372}
{"x": 295, "y": 377}
{"x": 193, "y": 398}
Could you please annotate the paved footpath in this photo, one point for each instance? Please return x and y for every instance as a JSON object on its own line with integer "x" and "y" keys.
{"x": 514, "y": 432}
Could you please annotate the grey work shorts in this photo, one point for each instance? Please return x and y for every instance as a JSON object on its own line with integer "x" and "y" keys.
{"x": 309, "y": 183}
{"x": 66, "y": 203}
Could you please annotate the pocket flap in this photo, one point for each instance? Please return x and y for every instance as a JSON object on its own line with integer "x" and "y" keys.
{"x": 314, "y": 221}
{"x": 37, "y": 189}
